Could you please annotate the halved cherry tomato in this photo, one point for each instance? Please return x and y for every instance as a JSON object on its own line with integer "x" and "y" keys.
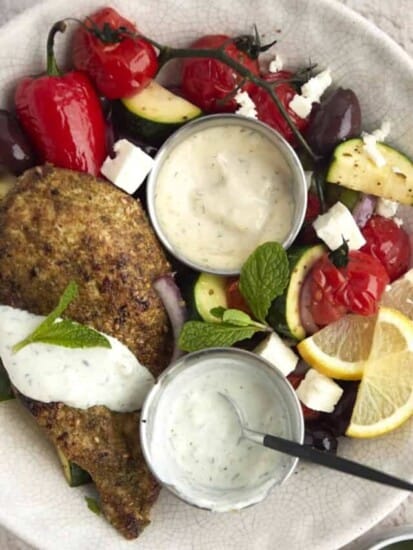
{"x": 389, "y": 243}
{"x": 235, "y": 300}
{"x": 208, "y": 82}
{"x": 268, "y": 111}
{"x": 117, "y": 63}
{"x": 356, "y": 288}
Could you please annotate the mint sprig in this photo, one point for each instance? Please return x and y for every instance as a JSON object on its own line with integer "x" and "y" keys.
{"x": 264, "y": 276}
{"x": 197, "y": 335}
{"x": 63, "y": 332}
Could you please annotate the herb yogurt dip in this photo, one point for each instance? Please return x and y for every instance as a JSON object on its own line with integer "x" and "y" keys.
{"x": 221, "y": 192}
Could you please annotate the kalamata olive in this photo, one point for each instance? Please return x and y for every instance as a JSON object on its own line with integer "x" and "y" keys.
{"x": 16, "y": 154}
{"x": 335, "y": 119}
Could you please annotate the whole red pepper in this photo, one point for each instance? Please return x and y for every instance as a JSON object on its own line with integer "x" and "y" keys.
{"x": 62, "y": 116}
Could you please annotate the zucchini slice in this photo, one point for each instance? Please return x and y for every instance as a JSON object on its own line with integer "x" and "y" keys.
{"x": 351, "y": 167}
{"x": 74, "y": 474}
{"x": 154, "y": 113}
{"x": 209, "y": 292}
{"x": 284, "y": 315}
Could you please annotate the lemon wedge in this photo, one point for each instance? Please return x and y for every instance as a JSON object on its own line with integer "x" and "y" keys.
{"x": 341, "y": 349}
{"x": 400, "y": 295}
{"x": 385, "y": 396}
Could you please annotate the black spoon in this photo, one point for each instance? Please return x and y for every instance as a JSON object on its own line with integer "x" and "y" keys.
{"x": 306, "y": 452}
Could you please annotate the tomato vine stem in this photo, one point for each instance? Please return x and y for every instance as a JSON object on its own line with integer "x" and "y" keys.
{"x": 167, "y": 53}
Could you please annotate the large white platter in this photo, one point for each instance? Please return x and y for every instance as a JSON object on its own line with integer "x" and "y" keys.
{"x": 316, "y": 509}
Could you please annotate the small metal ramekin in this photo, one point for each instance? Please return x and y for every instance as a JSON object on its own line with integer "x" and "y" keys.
{"x": 220, "y": 500}
{"x": 388, "y": 538}
{"x": 298, "y": 178}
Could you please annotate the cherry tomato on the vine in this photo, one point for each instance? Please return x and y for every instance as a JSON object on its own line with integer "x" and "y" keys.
{"x": 389, "y": 243}
{"x": 117, "y": 63}
{"x": 208, "y": 82}
{"x": 267, "y": 109}
{"x": 356, "y": 288}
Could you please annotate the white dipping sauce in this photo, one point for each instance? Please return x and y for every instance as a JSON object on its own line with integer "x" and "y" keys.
{"x": 221, "y": 192}
{"x": 78, "y": 377}
{"x": 195, "y": 444}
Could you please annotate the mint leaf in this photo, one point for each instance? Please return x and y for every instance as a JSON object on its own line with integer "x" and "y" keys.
{"x": 264, "y": 276}
{"x": 93, "y": 505}
{"x": 64, "y": 332}
{"x": 339, "y": 256}
{"x": 197, "y": 335}
{"x": 238, "y": 318}
{"x": 72, "y": 335}
{"x": 218, "y": 312}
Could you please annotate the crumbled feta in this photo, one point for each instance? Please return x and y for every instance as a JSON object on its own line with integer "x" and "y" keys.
{"x": 276, "y": 352}
{"x": 386, "y": 208}
{"x": 318, "y": 392}
{"x": 370, "y": 143}
{"x": 277, "y": 64}
{"x": 129, "y": 168}
{"x": 311, "y": 92}
{"x": 338, "y": 224}
{"x": 397, "y": 170}
{"x": 246, "y": 105}
{"x": 398, "y": 221}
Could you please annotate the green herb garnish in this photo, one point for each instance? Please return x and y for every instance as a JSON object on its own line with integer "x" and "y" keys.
{"x": 63, "y": 332}
{"x": 264, "y": 276}
{"x": 93, "y": 505}
{"x": 197, "y": 335}
{"x": 339, "y": 256}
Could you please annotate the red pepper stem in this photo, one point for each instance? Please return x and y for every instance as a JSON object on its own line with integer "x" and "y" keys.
{"x": 52, "y": 67}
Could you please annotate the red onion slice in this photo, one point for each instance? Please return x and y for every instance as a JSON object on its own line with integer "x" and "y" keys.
{"x": 364, "y": 209}
{"x": 174, "y": 304}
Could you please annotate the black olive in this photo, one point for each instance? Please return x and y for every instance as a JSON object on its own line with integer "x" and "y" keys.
{"x": 16, "y": 154}
{"x": 335, "y": 119}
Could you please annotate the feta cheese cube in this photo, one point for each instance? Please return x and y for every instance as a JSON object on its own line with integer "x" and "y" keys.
{"x": 311, "y": 92}
{"x": 301, "y": 105}
{"x": 386, "y": 208}
{"x": 338, "y": 224}
{"x": 246, "y": 105}
{"x": 276, "y": 352}
{"x": 318, "y": 392}
{"x": 315, "y": 87}
{"x": 276, "y": 64}
{"x": 129, "y": 168}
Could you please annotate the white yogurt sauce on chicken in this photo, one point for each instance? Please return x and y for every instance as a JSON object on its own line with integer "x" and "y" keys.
{"x": 77, "y": 377}
{"x": 222, "y": 192}
{"x": 196, "y": 435}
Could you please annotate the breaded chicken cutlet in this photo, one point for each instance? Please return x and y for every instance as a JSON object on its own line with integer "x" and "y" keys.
{"x": 57, "y": 226}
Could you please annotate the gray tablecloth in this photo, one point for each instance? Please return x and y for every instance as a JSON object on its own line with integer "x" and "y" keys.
{"x": 396, "y": 19}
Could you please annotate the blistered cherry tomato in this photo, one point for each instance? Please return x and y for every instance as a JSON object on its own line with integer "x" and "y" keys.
{"x": 235, "y": 300}
{"x": 117, "y": 63}
{"x": 268, "y": 111}
{"x": 389, "y": 243}
{"x": 356, "y": 288}
{"x": 208, "y": 82}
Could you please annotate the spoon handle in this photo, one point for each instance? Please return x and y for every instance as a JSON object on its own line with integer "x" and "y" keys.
{"x": 334, "y": 462}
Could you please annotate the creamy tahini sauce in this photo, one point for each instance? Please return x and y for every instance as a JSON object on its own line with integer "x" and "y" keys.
{"x": 222, "y": 192}
{"x": 79, "y": 378}
{"x": 196, "y": 437}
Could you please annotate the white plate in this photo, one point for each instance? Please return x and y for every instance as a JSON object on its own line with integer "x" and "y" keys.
{"x": 316, "y": 509}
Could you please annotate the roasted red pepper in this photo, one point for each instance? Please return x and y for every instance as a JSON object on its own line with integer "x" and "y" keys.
{"x": 62, "y": 116}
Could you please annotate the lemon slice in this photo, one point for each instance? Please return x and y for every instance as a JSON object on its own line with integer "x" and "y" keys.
{"x": 385, "y": 396}
{"x": 341, "y": 349}
{"x": 400, "y": 295}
